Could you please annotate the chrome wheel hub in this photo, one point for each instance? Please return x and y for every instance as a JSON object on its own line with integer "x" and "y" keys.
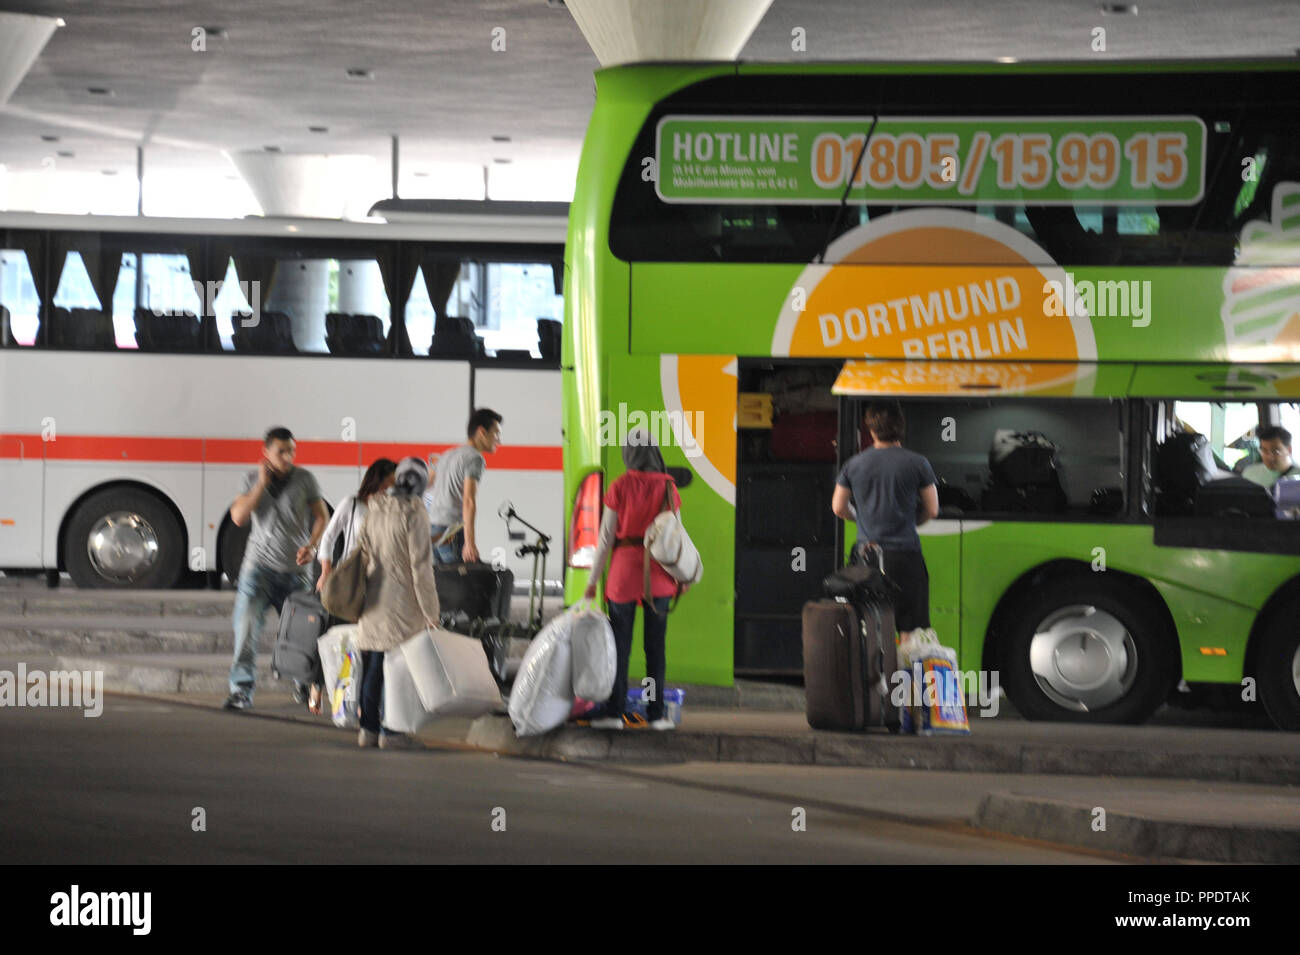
{"x": 122, "y": 546}
{"x": 1083, "y": 658}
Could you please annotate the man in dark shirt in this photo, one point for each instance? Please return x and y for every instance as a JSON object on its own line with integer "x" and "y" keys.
{"x": 880, "y": 489}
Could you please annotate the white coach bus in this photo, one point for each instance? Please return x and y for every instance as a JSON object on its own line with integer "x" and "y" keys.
{"x": 142, "y": 359}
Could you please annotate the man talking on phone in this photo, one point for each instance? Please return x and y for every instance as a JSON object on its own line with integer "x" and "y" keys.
{"x": 289, "y": 517}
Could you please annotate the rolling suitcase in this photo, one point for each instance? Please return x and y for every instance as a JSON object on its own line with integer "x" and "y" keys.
{"x": 848, "y": 658}
{"x": 302, "y": 621}
{"x": 477, "y": 590}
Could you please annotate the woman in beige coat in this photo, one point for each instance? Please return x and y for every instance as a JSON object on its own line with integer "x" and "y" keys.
{"x": 401, "y": 596}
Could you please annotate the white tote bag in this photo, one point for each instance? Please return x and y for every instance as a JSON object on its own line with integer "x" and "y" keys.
{"x": 341, "y": 663}
{"x": 404, "y": 711}
{"x": 451, "y": 674}
{"x": 668, "y": 544}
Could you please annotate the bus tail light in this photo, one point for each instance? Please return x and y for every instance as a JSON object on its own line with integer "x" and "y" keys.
{"x": 584, "y": 529}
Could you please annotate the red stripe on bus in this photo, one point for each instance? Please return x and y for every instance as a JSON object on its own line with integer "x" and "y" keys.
{"x": 247, "y": 451}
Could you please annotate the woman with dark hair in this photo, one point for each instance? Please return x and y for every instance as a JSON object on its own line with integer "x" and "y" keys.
{"x": 632, "y": 503}
{"x": 345, "y": 528}
{"x": 401, "y": 596}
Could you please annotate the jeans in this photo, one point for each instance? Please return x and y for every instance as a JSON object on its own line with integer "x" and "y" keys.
{"x": 621, "y": 619}
{"x": 259, "y": 588}
{"x": 450, "y": 552}
{"x": 372, "y": 690}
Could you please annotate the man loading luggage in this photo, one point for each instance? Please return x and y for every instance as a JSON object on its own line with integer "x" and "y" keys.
{"x": 880, "y": 489}
{"x": 453, "y": 499}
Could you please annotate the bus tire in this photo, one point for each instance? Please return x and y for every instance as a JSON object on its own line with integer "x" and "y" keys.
{"x": 1087, "y": 651}
{"x": 124, "y": 538}
{"x": 1277, "y": 668}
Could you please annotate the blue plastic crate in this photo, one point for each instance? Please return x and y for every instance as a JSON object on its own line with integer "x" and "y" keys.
{"x": 673, "y": 700}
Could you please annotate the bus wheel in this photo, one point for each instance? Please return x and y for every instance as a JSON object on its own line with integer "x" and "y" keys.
{"x": 124, "y": 538}
{"x": 1087, "y": 651}
{"x": 1277, "y": 669}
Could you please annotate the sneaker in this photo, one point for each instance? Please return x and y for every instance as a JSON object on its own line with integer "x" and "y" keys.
{"x": 607, "y": 723}
{"x": 397, "y": 741}
{"x": 300, "y": 693}
{"x": 366, "y": 738}
{"x": 663, "y": 723}
{"x": 238, "y": 701}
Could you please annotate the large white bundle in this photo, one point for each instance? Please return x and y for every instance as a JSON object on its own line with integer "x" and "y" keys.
{"x": 595, "y": 658}
{"x": 404, "y": 711}
{"x": 451, "y": 673}
{"x": 542, "y": 696}
{"x": 341, "y": 663}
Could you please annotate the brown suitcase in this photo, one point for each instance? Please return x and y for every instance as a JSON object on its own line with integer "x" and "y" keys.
{"x": 849, "y": 656}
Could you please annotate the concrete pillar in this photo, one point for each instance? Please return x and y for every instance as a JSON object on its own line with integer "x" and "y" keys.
{"x": 631, "y": 31}
{"x": 307, "y": 186}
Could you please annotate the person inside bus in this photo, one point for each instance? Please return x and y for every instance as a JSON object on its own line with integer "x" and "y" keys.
{"x": 401, "y": 595}
{"x": 344, "y": 530}
{"x": 880, "y": 488}
{"x": 289, "y": 517}
{"x": 1275, "y": 449}
{"x": 452, "y": 501}
{"x": 632, "y": 503}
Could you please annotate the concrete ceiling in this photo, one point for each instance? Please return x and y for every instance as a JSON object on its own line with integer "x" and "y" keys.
{"x": 437, "y": 82}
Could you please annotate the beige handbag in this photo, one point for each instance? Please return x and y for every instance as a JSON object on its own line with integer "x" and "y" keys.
{"x": 344, "y": 592}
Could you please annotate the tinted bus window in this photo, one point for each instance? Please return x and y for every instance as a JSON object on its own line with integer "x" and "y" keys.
{"x": 19, "y": 302}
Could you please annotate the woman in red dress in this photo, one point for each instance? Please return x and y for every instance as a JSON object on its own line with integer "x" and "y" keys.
{"x": 631, "y": 505}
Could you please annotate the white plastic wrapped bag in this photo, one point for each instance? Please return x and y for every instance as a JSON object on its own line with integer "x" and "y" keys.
{"x": 542, "y": 697}
{"x": 594, "y": 656}
{"x": 404, "y": 711}
{"x": 451, "y": 674}
{"x": 341, "y": 663}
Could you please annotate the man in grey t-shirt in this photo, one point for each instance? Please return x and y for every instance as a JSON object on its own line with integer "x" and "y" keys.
{"x": 452, "y": 500}
{"x": 880, "y": 488}
{"x": 289, "y": 517}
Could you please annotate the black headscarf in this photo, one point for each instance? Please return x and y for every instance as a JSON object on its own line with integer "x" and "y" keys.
{"x": 640, "y": 453}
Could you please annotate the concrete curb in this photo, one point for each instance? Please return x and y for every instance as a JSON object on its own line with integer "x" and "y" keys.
{"x": 877, "y": 751}
{"x": 1034, "y": 817}
{"x": 162, "y": 603}
{"x": 66, "y": 637}
{"x": 132, "y": 676}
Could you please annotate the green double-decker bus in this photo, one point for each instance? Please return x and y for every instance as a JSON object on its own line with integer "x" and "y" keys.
{"x": 1098, "y": 261}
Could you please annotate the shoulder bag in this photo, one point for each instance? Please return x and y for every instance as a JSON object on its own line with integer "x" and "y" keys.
{"x": 667, "y": 542}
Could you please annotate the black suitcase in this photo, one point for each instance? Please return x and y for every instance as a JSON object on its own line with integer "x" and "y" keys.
{"x": 849, "y": 659}
{"x": 476, "y": 590}
{"x": 1234, "y": 497}
{"x": 302, "y": 621}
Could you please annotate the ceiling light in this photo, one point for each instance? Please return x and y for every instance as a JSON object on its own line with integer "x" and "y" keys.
{"x": 501, "y": 161}
{"x": 500, "y": 139}
{"x": 49, "y": 137}
{"x": 65, "y": 154}
{"x": 99, "y": 91}
{"x": 420, "y": 175}
{"x": 272, "y": 149}
{"x": 318, "y": 129}
{"x": 1120, "y": 8}
{"x": 218, "y": 33}
{"x": 358, "y": 73}
{"x": 109, "y": 172}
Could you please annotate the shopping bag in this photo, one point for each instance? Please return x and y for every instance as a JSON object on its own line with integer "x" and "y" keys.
{"x": 451, "y": 674}
{"x": 594, "y": 657}
{"x": 404, "y": 711}
{"x": 936, "y": 695}
{"x": 542, "y": 696}
{"x": 341, "y": 664}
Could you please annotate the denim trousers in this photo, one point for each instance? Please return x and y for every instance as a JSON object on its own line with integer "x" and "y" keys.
{"x": 259, "y": 588}
{"x": 622, "y": 616}
{"x": 372, "y": 690}
{"x": 450, "y": 552}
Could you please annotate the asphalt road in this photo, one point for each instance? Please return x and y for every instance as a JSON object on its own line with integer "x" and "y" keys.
{"x": 125, "y": 787}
